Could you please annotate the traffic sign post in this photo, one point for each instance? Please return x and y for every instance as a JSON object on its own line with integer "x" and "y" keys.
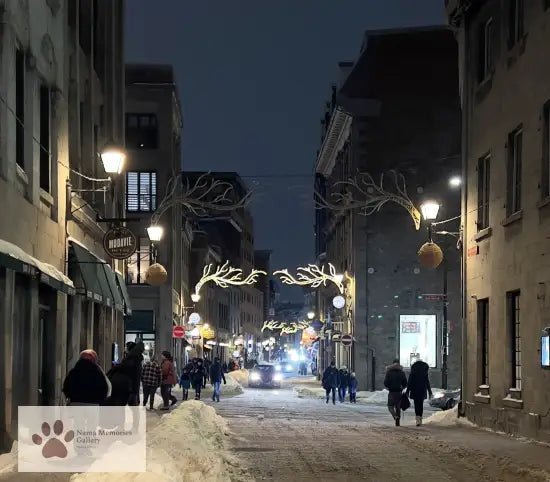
{"x": 178, "y": 332}
{"x": 346, "y": 339}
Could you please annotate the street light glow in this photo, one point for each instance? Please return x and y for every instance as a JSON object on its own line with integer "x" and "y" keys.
{"x": 311, "y": 315}
{"x": 429, "y": 210}
{"x": 195, "y": 297}
{"x": 155, "y": 232}
{"x": 113, "y": 158}
{"x": 455, "y": 181}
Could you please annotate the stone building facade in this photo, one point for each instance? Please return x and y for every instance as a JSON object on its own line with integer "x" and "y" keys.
{"x": 391, "y": 111}
{"x": 506, "y": 124}
{"x": 61, "y": 101}
{"x": 154, "y": 126}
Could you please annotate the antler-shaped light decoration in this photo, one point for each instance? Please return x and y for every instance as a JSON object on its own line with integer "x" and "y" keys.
{"x": 285, "y": 327}
{"x": 225, "y": 276}
{"x": 363, "y": 193}
{"x": 312, "y": 276}
{"x": 204, "y": 195}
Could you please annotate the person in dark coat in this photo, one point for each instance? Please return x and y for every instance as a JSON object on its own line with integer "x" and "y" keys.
{"x": 418, "y": 387}
{"x": 395, "y": 381}
{"x": 330, "y": 381}
{"x": 216, "y": 377}
{"x": 197, "y": 377}
{"x": 207, "y": 365}
{"x": 352, "y": 388}
{"x": 126, "y": 376}
{"x": 185, "y": 380}
{"x": 86, "y": 384}
{"x": 343, "y": 383}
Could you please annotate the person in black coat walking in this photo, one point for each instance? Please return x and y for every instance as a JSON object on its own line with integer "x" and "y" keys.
{"x": 126, "y": 377}
{"x": 86, "y": 384}
{"x": 343, "y": 383}
{"x": 198, "y": 377}
{"x": 395, "y": 381}
{"x": 216, "y": 377}
{"x": 330, "y": 381}
{"x": 418, "y": 387}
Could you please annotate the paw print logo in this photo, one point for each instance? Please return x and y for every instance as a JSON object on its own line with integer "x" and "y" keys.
{"x": 53, "y": 446}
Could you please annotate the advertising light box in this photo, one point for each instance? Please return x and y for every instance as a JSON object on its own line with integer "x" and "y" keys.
{"x": 418, "y": 339}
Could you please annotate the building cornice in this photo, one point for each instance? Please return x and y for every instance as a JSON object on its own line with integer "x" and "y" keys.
{"x": 335, "y": 137}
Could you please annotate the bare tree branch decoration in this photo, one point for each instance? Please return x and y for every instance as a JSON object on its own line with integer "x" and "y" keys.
{"x": 312, "y": 276}
{"x": 364, "y": 194}
{"x": 284, "y": 326}
{"x": 205, "y": 195}
{"x": 225, "y": 276}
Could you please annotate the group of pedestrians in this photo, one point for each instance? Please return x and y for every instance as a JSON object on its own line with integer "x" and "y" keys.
{"x": 340, "y": 380}
{"x": 87, "y": 383}
{"x": 400, "y": 389}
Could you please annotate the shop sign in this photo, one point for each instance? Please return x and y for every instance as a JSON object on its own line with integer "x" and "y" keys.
{"x": 119, "y": 243}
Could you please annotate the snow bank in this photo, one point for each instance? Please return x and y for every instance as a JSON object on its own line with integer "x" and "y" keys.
{"x": 448, "y": 418}
{"x": 8, "y": 462}
{"x": 380, "y": 396}
{"x": 319, "y": 392}
{"x": 231, "y": 388}
{"x": 239, "y": 376}
{"x": 188, "y": 444}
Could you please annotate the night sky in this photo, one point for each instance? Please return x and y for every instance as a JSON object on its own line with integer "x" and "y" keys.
{"x": 253, "y": 77}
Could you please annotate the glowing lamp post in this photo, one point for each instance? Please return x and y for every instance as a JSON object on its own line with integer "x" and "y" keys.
{"x": 195, "y": 297}
{"x": 155, "y": 233}
{"x": 310, "y": 315}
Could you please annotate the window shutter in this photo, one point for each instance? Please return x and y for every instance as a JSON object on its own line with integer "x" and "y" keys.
{"x": 145, "y": 191}
{"x": 132, "y": 191}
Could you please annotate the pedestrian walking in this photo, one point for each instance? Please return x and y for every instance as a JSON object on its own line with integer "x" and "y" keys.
{"x": 86, "y": 383}
{"x": 343, "y": 383}
{"x": 185, "y": 380}
{"x": 395, "y": 382}
{"x": 151, "y": 378}
{"x": 197, "y": 377}
{"x": 353, "y": 388}
{"x": 125, "y": 377}
{"x": 418, "y": 388}
{"x": 330, "y": 381}
{"x": 168, "y": 380}
{"x": 224, "y": 367}
{"x": 216, "y": 377}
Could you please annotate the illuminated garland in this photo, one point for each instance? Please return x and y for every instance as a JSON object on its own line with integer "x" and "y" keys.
{"x": 225, "y": 276}
{"x": 312, "y": 276}
{"x": 285, "y": 327}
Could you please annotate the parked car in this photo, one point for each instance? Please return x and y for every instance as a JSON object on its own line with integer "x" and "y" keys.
{"x": 264, "y": 376}
{"x": 445, "y": 399}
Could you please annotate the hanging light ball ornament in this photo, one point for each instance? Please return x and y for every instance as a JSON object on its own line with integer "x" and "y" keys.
{"x": 156, "y": 275}
{"x": 430, "y": 255}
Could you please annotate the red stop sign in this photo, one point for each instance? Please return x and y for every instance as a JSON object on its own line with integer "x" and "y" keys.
{"x": 346, "y": 339}
{"x": 178, "y": 332}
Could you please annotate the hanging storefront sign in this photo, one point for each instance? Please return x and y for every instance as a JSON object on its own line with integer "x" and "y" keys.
{"x": 119, "y": 243}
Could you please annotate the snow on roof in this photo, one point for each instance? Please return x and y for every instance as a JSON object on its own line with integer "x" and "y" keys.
{"x": 16, "y": 252}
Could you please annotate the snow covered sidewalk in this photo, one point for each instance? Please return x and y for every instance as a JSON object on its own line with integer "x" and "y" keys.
{"x": 380, "y": 396}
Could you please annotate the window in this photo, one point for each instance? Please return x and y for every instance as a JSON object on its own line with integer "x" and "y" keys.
{"x": 45, "y": 158}
{"x": 141, "y": 191}
{"x": 139, "y": 262}
{"x": 515, "y": 26}
{"x": 485, "y": 50}
{"x": 545, "y": 181}
{"x": 141, "y": 131}
{"x": 513, "y": 196}
{"x": 483, "y": 334}
{"x": 483, "y": 190}
{"x": 515, "y": 338}
{"x": 20, "y": 108}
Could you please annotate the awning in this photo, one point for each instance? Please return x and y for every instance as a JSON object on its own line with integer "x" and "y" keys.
{"x": 14, "y": 258}
{"x": 125, "y": 294}
{"x": 89, "y": 267}
{"x": 115, "y": 291}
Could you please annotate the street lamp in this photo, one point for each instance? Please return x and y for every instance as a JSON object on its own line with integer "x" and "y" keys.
{"x": 455, "y": 181}
{"x": 155, "y": 232}
{"x": 429, "y": 210}
{"x": 310, "y": 315}
{"x": 195, "y": 297}
{"x": 113, "y": 158}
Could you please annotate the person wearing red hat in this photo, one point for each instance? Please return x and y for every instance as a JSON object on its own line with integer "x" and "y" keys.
{"x": 86, "y": 383}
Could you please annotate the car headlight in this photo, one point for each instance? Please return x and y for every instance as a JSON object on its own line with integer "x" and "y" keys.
{"x": 289, "y": 368}
{"x": 278, "y": 377}
{"x": 438, "y": 395}
{"x": 254, "y": 377}
{"x": 278, "y": 368}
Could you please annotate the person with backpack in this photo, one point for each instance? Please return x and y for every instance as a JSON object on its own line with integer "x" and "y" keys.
{"x": 395, "y": 382}
{"x": 418, "y": 387}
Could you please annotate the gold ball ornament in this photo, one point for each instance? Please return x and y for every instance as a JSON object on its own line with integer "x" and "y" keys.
{"x": 430, "y": 255}
{"x": 156, "y": 275}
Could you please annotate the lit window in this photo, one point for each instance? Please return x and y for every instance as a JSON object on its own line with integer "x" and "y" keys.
{"x": 141, "y": 191}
